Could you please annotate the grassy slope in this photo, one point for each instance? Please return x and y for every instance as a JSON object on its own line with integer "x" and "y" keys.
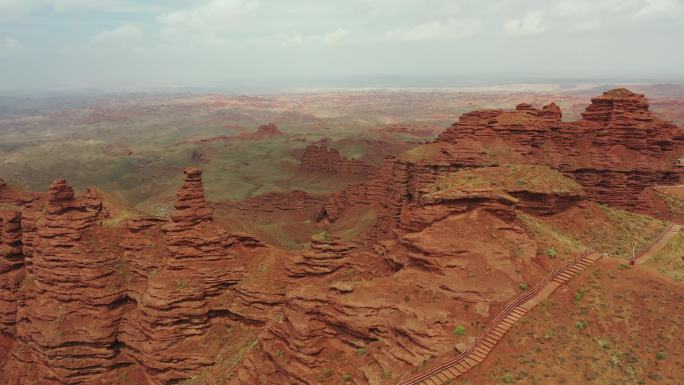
{"x": 609, "y": 326}
{"x": 670, "y": 260}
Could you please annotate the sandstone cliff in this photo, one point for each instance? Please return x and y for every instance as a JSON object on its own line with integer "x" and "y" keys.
{"x": 320, "y": 158}
{"x": 616, "y": 152}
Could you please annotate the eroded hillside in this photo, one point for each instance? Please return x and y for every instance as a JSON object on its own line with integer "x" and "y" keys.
{"x": 401, "y": 268}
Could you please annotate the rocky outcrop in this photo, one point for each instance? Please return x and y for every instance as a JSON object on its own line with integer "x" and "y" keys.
{"x": 266, "y": 131}
{"x": 369, "y": 330}
{"x": 11, "y": 268}
{"x": 619, "y": 143}
{"x": 280, "y": 201}
{"x": 615, "y": 152}
{"x": 82, "y": 299}
{"x": 326, "y": 255}
{"x": 320, "y": 158}
{"x": 68, "y": 304}
{"x": 173, "y": 312}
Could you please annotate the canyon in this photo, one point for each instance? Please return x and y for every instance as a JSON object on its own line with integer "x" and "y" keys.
{"x": 396, "y": 272}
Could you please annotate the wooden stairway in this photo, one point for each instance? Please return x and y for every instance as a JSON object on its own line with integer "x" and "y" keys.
{"x": 476, "y": 353}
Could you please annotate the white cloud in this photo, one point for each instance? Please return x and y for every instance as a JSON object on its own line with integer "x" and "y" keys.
{"x": 211, "y": 20}
{"x": 124, "y": 33}
{"x": 19, "y": 8}
{"x": 436, "y": 30}
{"x": 99, "y": 5}
{"x": 658, "y": 7}
{"x": 15, "y": 8}
{"x": 589, "y": 24}
{"x": 531, "y": 24}
{"x": 9, "y": 46}
{"x": 336, "y": 37}
{"x": 570, "y": 8}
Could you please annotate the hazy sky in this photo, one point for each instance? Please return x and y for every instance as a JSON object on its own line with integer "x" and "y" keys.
{"x": 81, "y": 43}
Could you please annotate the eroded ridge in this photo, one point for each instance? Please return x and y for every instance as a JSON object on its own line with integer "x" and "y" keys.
{"x": 483, "y": 345}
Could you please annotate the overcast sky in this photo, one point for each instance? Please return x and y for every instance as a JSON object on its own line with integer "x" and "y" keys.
{"x": 81, "y": 43}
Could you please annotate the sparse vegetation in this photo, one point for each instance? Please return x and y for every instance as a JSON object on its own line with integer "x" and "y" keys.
{"x": 581, "y": 325}
{"x": 459, "y": 331}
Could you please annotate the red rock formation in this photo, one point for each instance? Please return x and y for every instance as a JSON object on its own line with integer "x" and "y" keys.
{"x": 280, "y": 201}
{"x": 327, "y": 255}
{"x": 67, "y": 316}
{"x": 617, "y": 150}
{"x": 266, "y": 131}
{"x": 319, "y": 158}
{"x": 11, "y": 268}
{"x": 174, "y": 309}
{"x": 390, "y": 323}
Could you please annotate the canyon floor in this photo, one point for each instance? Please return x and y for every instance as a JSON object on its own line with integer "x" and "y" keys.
{"x": 342, "y": 237}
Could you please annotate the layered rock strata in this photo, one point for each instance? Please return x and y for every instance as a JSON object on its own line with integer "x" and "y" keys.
{"x": 320, "y": 158}
{"x": 69, "y": 301}
{"x": 615, "y": 152}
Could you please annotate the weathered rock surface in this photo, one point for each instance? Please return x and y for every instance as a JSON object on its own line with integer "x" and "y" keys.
{"x": 266, "y": 131}
{"x": 11, "y": 268}
{"x": 615, "y": 152}
{"x": 327, "y": 255}
{"x": 82, "y": 299}
{"x": 453, "y": 273}
{"x": 320, "y": 158}
{"x": 68, "y": 306}
{"x": 280, "y": 201}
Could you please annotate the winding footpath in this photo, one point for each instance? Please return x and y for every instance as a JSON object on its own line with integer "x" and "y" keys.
{"x": 483, "y": 345}
{"x": 660, "y": 242}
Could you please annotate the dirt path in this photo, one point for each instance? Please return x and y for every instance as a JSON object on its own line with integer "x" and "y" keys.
{"x": 655, "y": 248}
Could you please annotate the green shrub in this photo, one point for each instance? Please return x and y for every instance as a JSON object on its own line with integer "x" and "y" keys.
{"x": 459, "y": 330}
{"x": 661, "y": 356}
{"x": 523, "y": 286}
{"x": 581, "y": 325}
{"x": 551, "y": 252}
{"x": 507, "y": 378}
{"x": 346, "y": 377}
{"x": 579, "y": 294}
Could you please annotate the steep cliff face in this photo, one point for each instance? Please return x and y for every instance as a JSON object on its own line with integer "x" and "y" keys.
{"x": 174, "y": 310}
{"x": 84, "y": 300}
{"x": 327, "y": 255}
{"x": 320, "y": 158}
{"x": 615, "y": 152}
{"x": 369, "y": 330}
{"x": 11, "y": 268}
{"x": 69, "y": 300}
